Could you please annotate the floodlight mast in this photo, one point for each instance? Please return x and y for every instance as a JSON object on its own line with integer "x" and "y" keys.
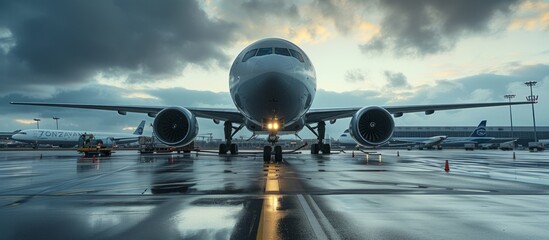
{"x": 510, "y": 96}
{"x": 37, "y": 120}
{"x": 57, "y": 122}
{"x": 533, "y": 99}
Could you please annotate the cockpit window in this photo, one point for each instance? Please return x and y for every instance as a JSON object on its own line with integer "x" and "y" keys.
{"x": 249, "y": 54}
{"x": 346, "y": 131}
{"x": 264, "y": 51}
{"x": 24, "y": 133}
{"x": 282, "y": 51}
{"x": 297, "y": 55}
{"x": 267, "y": 51}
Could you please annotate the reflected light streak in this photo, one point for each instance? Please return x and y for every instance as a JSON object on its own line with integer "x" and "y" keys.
{"x": 212, "y": 218}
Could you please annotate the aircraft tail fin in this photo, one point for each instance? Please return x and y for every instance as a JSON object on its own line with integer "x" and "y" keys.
{"x": 139, "y": 129}
{"x": 480, "y": 131}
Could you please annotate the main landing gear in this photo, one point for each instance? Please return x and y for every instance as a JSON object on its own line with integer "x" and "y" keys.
{"x": 268, "y": 150}
{"x": 229, "y": 133}
{"x": 320, "y": 146}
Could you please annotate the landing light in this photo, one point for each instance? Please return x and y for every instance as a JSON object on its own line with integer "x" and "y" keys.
{"x": 270, "y": 126}
{"x": 275, "y": 125}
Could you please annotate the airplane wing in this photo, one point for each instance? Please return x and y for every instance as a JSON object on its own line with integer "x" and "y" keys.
{"x": 317, "y": 115}
{"x": 232, "y": 115}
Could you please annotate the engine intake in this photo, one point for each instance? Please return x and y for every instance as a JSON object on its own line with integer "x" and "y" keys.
{"x": 175, "y": 126}
{"x": 372, "y": 126}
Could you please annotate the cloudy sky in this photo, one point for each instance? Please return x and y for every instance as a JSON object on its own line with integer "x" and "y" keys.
{"x": 373, "y": 52}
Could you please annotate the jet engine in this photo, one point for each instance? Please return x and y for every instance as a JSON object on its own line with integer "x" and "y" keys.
{"x": 372, "y": 126}
{"x": 175, "y": 126}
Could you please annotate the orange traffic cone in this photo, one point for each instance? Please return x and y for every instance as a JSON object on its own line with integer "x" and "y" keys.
{"x": 447, "y": 166}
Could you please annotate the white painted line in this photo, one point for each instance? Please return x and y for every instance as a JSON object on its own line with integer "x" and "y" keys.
{"x": 317, "y": 228}
{"x": 324, "y": 220}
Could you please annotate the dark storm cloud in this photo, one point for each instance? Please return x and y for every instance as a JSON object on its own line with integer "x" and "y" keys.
{"x": 63, "y": 41}
{"x": 430, "y": 26}
{"x": 396, "y": 80}
{"x": 341, "y": 13}
{"x": 257, "y": 17}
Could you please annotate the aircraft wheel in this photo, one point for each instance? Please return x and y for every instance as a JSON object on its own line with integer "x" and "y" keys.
{"x": 222, "y": 148}
{"x": 326, "y": 148}
{"x": 234, "y": 148}
{"x": 267, "y": 154}
{"x": 278, "y": 154}
{"x": 314, "y": 148}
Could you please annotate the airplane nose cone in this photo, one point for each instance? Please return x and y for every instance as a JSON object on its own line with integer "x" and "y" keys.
{"x": 273, "y": 94}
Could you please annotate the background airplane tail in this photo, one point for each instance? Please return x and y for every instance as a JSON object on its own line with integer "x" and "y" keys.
{"x": 480, "y": 131}
{"x": 139, "y": 129}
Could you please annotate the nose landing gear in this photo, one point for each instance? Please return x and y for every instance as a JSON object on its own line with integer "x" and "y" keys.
{"x": 267, "y": 150}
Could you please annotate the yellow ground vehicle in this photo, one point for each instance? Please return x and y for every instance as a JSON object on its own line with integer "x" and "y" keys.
{"x": 92, "y": 147}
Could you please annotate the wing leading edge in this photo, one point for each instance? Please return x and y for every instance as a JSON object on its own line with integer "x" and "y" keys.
{"x": 314, "y": 115}
{"x": 317, "y": 115}
{"x": 232, "y": 115}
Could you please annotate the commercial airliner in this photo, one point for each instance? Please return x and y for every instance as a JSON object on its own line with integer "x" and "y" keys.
{"x": 70, "y": 138}
{"x": 424, "y": 142}
{"x": 345, "y": 140}
{"x": 273, "y": 84}
{"x": 477, "y": 136}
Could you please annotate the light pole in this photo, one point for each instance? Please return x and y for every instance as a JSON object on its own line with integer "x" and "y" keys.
{"x": 533, "y": 99}
{"x": 510, "y": 96}
{"x": 37, "y": 122}
{"x": 57, "y": 121}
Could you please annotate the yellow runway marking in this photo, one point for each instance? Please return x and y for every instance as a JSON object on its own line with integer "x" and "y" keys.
{"x": 270, "y": 204}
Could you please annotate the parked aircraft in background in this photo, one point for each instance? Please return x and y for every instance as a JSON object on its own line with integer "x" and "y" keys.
{"x": 70, "y": 138}
{"x": 273, "y": 84}
{"x": 479, "y": 135}
{"x": 346, "y": 141}
{"x": 7, "y": 135}
{"x": 422, "y": 142}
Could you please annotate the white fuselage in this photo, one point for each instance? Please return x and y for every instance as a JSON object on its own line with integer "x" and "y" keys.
{"x": 464, "y": 140}
{"x": 273, "y": 80}
{"x": 424, "y": 142}
{"x": 65, "y": 137}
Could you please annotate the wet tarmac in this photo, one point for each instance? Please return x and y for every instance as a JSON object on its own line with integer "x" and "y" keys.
{"x": 486, "y": 195}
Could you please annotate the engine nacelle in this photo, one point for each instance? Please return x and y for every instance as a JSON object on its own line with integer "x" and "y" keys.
{"x": 175, "y": 126}
{"x": 372, "y": 126}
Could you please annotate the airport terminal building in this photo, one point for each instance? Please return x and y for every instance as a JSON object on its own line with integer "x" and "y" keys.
{"x": 524, "y": 134}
